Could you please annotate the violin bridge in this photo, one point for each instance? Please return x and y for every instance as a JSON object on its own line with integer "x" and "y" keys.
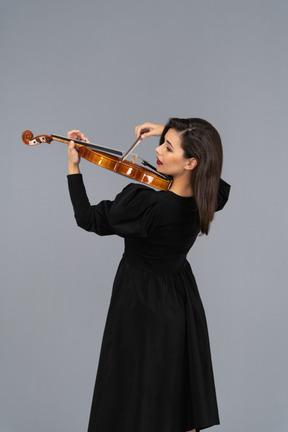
{"x": 134, "y": 158}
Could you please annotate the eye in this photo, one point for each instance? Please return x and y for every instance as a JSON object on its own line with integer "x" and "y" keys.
{"x": 168, "y": 148}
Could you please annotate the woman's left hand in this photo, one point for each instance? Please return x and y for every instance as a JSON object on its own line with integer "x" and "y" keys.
{"x": 73, "y": 157}
{"x": 75, "y": 134}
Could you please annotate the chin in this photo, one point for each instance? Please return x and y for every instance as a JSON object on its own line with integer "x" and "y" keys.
{"x": 161, "y": 170}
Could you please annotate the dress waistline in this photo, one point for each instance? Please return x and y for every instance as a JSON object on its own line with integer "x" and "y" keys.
{"x": 165, "y": 265}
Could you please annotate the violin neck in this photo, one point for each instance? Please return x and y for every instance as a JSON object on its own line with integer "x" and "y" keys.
{"x": 83, "y": 143}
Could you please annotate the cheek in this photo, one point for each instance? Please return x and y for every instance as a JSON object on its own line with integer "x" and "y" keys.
{"x": 176, "y": 160}
{"x": 177, "y": 165}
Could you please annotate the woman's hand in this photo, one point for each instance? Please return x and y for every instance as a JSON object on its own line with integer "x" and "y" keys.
{"x": 73, "y": 157}
{"x": 75, "y": 134}
{"x": 147, "y": 129}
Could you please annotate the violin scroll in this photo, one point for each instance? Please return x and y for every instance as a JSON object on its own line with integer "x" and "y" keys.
{"x": 30, "y": 140}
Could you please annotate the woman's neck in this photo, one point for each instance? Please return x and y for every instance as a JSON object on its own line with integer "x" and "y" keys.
{"x": 182, "y": 186}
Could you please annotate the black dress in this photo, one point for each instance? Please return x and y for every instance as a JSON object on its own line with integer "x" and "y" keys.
{"x": 155, "y": 371}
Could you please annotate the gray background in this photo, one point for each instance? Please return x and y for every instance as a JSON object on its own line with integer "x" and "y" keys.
{"x": 103, "y": 67}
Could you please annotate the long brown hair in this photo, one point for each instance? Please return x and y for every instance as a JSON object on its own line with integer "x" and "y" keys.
{"x": 200, "y": 140}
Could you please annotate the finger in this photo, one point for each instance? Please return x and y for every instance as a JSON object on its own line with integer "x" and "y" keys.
{"x": 145, "y": 133}
{"x": 141, "y": 129}
{"x": 137, "y": 130}
{"x": 72, "y": 133}
{"x": 72, "y": 145}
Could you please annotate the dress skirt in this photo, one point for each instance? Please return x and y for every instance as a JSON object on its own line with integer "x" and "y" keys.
{"x": 155, "y": 371}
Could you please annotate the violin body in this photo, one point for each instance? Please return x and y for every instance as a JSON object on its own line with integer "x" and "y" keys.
{"x": 106, "y": 160}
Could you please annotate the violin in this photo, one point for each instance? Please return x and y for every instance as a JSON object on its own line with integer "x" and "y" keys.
{"x": 109, "y": 158}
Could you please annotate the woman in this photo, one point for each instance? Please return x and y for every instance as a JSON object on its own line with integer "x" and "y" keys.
{"x": 155, "y": 371}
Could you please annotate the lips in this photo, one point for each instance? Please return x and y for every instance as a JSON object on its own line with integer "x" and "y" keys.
{"x": 158, "y": 162}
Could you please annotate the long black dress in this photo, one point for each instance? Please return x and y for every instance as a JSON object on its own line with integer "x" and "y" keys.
{"x": 155, "y": 371}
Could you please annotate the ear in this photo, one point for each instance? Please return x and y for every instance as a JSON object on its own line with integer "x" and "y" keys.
{"x": 191, "y": 163}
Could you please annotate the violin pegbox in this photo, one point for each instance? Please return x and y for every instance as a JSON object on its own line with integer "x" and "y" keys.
{"x": 30, "y": 140}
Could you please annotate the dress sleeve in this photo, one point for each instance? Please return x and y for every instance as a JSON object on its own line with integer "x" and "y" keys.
{"x": 223, "y": 194}
{"x": 134, "y": 211}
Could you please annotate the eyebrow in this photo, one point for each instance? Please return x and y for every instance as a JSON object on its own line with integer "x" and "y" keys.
{"x": 168, "y": 142}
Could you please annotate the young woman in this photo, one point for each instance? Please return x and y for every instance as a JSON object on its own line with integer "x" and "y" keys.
{"x": 155, "y": 370}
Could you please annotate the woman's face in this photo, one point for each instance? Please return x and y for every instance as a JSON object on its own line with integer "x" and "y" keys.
{"x": 170, "y": 155}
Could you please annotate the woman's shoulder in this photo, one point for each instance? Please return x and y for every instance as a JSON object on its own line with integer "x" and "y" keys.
{"x": 137, "y": 192}
{"x": 135, "y": 210}
{"x": 145, "y": 194}
{"x": 136, "y": 196}
{"x": 138, "y": 186}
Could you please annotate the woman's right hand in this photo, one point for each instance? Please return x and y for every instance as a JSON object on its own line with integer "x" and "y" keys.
{"x": 149, "y": 129}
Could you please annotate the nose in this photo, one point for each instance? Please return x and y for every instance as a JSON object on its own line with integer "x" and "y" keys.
{"x": 157, "y": 149}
